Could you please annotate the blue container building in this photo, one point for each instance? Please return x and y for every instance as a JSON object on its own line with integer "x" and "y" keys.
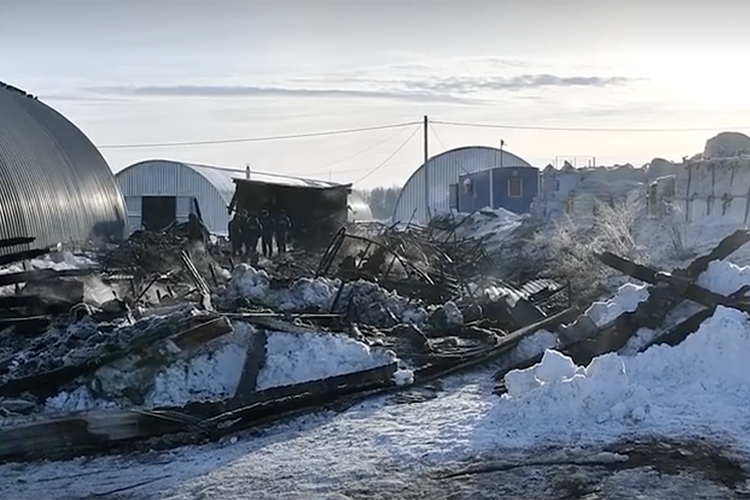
{"x": 511, "y": 188}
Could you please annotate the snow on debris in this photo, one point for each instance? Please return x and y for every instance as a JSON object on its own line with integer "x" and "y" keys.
{"x": 724, "y": 277}
{"x": 403, "y": 376}
{"x": 211, "y": 373}
{"x": 370, "y": 303}
{"x": 250, "y": 282}
{"x": 700, "y": 382}
{"x": 627, "y": 299}
{"x": 293, "y": 358}
{"x": 213, "y": 376}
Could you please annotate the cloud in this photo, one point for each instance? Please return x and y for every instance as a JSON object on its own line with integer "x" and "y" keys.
{"x": 471, "y": 85}
{"x": 253, "y": 91}
{"x": 429, "y": 89}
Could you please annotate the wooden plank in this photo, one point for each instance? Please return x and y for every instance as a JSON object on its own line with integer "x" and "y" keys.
{"x": 11, "y": 242}
{"x": 68, "y": 436}
{"x": 202, "y": 333}
{"x": 254, "y": 362}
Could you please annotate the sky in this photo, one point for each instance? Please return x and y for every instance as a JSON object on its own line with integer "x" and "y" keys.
{"x": 149, "y": 72}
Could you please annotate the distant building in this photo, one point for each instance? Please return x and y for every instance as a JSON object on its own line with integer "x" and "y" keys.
{"x": 158, "y": 192}
{"x": 511, "y": 188}
{"x": 434, "y": 187}
{"x": 54, "y": 184}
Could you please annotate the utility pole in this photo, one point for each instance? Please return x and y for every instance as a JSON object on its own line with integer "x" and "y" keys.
{"x": 426, "y": 169}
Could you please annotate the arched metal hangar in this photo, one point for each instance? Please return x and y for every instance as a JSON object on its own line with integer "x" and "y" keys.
{"x": 442, "y": 172}
{"x": 54, "y": 184}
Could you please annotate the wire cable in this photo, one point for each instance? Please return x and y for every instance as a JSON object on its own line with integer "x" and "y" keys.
{"x": 369, "y": 148}
{"x": 256, "y": 139}
{"x": 584, "y": 129}
{"x": 382, "y": 164}
{"x": 445, "y": 148}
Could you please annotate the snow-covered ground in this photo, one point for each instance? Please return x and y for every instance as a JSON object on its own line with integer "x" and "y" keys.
{"x": 698, "y": 388}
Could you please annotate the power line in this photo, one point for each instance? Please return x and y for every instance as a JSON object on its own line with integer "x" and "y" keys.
{"x": 382, "y": 164}
{"x": 371, "y": 147}
{"x": 584, "y": 129}
{"x": 256, "y": 139}
{"x": 360, "y": 169}
{"x": 434, "y": 132}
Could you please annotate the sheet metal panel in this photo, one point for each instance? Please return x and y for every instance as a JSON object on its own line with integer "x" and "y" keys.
{"x": 54, "y": 183}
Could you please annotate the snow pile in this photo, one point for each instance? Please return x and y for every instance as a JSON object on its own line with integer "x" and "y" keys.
{"x": 528, "y": 348}
{"x": 293, "y": 358}
{"x": 702, "y": 381}
{"x": 724, "y": 277}
{"x": 250, "y": 282}
{"x": 627, "y": 299}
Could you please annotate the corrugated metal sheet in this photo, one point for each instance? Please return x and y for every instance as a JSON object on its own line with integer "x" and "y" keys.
{"x": 54, "y": 183}
{"x": 443, "y": 170}
{"x": 212, "y": 186}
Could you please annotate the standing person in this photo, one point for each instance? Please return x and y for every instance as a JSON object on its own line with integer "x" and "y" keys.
{"x": 252, "y": 233}
{"x": 281, "y": 226}
{"x": 266, "y": 225}
{"x": 235, "y": 234}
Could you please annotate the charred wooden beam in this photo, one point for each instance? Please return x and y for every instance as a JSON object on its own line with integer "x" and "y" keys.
{"x": 11, "y": 242}
{"x": 25, "y": 255}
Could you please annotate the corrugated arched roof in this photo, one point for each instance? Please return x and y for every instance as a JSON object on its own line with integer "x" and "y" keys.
{"x": 444, "y": 170}
{"x": 54, "y": 183}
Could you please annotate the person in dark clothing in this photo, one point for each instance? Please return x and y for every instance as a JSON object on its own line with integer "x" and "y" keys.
{"x": 195, "y": 229}
{"x": 235, "y": 234}
{"x": 267, "y": 229}
{"x": 252, "y": 233}
{"x": 281, "y": 227}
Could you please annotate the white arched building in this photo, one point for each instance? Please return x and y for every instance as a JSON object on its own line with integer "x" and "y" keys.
{"x": 441, "y": 173}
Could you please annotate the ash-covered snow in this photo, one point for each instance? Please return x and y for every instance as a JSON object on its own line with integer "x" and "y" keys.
{"x": 249, "y": 282}
{"x": 370, "y": 303}
{"x": 307, "y": 293}
{"x": 627, "y": 299}
{"x": 292, "y": 358}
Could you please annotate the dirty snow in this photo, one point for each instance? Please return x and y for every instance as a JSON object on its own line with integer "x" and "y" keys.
{"x": 250, "y": 282}
{"x": 292, "y": 358}
{"x": 627, "y": 299}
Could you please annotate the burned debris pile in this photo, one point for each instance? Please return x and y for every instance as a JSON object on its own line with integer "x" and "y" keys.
{"x": 161, "y": 339}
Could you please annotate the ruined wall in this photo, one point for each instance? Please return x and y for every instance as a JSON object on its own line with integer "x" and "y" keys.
{"x": 711, "y": 188}
{"x": 575, "y": 192}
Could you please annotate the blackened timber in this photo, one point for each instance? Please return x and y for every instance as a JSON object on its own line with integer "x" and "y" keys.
{"x": 11, "y": 242}
{"x": 681, "y": 285}
{"x": 25, "y": 255}
{"x": 724, "y": 249}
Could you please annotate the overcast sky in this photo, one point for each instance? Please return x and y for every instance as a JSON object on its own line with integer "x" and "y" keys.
{"x": 155, "y": 71}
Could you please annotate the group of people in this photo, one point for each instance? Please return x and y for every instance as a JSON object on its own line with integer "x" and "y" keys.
{"x": 245, "y": 229}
